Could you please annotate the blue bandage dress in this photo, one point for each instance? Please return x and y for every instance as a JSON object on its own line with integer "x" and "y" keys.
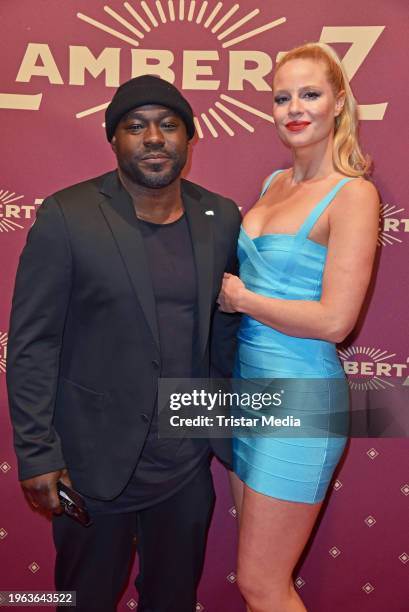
{"x": 289, "y": 267}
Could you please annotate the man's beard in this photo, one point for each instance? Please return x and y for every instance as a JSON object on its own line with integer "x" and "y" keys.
{"x": 155, "y": 178}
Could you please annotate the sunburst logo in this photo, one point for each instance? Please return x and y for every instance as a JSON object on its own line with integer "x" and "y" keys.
{"x": 222, "y": 30}
{"x": 371, "y": 368}
{"x": 9, "y": 211}
{"x": 392, "y": 226}
{"x": 3, "y": 351}
{"x": 14, "y": 214}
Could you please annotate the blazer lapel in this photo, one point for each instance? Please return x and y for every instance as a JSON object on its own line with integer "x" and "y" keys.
{"x": 201, "y": 229}
{"x": 120, "y": 216}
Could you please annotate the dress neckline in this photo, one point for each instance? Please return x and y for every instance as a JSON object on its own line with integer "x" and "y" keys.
{"x": 279, "y": 235}
{"x": 313, "y": 216}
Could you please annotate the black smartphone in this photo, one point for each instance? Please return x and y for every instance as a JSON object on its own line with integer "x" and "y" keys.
{"x": 73, "y": 504}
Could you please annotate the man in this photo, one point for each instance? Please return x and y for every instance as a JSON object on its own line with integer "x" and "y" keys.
{"x": 116, "y": 287}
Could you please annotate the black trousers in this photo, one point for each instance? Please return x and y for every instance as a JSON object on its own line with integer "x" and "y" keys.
{"x": 170, "y": 539}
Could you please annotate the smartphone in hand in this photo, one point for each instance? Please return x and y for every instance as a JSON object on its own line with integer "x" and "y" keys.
{"x": 73, "y": 504}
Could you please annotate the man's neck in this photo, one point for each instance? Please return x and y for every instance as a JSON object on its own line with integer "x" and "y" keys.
{"x": 162, "y": 205}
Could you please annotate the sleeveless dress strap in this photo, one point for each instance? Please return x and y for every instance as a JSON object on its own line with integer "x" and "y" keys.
{"x": 268, "y": 182}
{"x": 316, "y": 212}
{"x": 304, "y": 231}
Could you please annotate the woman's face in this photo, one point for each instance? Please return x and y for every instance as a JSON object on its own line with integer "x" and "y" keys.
{"x": 304, "y": 105}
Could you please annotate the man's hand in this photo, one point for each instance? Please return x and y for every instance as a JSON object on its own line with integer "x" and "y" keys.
{"x": 41, "y": 491}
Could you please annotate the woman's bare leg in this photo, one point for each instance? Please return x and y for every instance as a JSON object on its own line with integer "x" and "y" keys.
{"x": 237, "y": 489}
{"x": 273, "y": 534}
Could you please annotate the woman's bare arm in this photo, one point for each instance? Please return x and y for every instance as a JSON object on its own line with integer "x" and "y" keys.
{"x": 353, "y": 221}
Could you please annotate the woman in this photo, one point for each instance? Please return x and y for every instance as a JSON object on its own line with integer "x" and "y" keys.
{"x": 306, "y": 253}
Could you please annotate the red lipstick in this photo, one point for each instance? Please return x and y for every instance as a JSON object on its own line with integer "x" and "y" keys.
{"x": 297, "y": 126}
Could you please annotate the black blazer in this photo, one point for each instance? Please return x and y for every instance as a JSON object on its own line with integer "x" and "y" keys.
{"x": 83, "y": 352}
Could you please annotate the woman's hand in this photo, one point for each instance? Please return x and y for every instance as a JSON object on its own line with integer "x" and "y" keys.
{"x": 230, "y": 294}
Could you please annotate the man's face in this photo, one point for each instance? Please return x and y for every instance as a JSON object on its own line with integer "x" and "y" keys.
{"x": 150, "y": 143}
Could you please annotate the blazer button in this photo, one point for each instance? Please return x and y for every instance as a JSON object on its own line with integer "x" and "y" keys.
{"x": 155, "y": 364}
{"x": 145, "y": 418}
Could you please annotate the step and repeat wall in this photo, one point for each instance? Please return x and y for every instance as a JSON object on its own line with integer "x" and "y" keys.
{"x": 61, "y": 63}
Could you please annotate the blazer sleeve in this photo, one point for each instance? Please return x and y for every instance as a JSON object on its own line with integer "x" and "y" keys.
{"x": 39, "y": 308}
{"x": 225, "y": 325}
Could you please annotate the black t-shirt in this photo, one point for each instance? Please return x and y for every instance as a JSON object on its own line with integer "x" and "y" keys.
{"x": 166, "y": 465}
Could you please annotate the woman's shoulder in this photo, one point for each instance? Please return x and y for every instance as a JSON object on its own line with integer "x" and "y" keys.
{"x": 359, "y": 186}
{"x": 275, "y": 173}
{"x": 358, "y": 196}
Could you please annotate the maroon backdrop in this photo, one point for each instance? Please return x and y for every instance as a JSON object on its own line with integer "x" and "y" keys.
{"x": 61, "y": 62}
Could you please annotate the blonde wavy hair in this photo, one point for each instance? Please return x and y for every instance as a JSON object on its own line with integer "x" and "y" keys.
{"x": 347, "y": 155}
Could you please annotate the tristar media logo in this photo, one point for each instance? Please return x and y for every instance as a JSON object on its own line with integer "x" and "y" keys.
{"x": 392, "y": 225}
{"x": 15, "y": 214}
{"x": 372, "y": 368}
{"x": 219, "y": 64}
{"x": 3, "y": 351}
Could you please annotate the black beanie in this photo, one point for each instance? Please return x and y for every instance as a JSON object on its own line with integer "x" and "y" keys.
{"x": 143, "y": 90}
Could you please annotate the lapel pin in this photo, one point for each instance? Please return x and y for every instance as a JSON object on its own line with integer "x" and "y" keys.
{"x": 209, "y": 212}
